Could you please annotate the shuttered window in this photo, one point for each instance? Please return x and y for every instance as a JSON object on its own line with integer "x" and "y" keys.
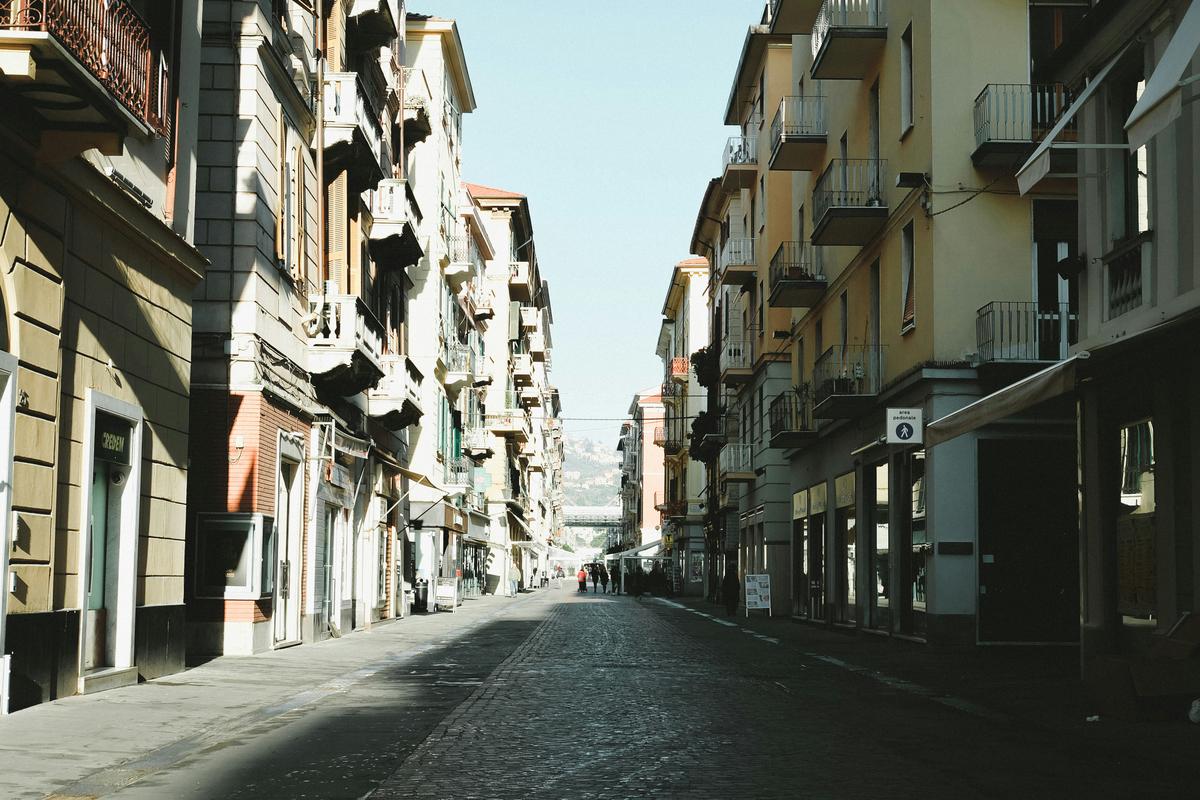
{"x": 908, "y": 319}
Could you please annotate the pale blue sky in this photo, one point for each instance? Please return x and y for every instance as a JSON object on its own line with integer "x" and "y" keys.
{"x": 609, "y": 117}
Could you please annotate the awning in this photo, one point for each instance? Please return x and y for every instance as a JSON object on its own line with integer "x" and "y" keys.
{"x": 422, "y": 480}
{"x": 1038, "y": 165}
{"x": 1162, "y": 100}
{"x": 521, "y": 523}
{"x": 636, "y": 550}
{"x": 1053, "y": 381}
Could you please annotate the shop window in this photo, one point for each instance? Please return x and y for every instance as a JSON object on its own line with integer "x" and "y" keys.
{"x": 235, "y": 556}
{"x": 1137, "y": 584}
{"x": 881, "y": 571}
{"x": 919, "y": 564}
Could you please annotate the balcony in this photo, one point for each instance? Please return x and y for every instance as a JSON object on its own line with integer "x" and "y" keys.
{"x": 791, "y": 416}
{"x": 478, "y": 441}
{"x": 846, "y": 380}
{"x": 660, "y": 437}
{"x": 737, "y": 266}
{"x": 522, "y": 367}
{"x": 736, "y": 362}
{"x": 344, "y": 354}
{"x": 457, "y": 470}
{"x": 674, "y": 441}
{"x": 1023, "y": 332}
{"x": 736, "y": 462}
{"x": 512, "y": 422}
{"x": 463, "y": 261}
{"x": 798, "y": 134}
{"x": 531, "y": 318}
{"x": 417, "y": 101}
{"x": 739, "y": 163}
{"x": 1011, "y": 118}
{"x": 793, "y": 17}
{"x": 847, "y": 37}
{"x": 1125, "y": 268}
{"x": 459, "y": 361}
{"x": 849, "y": 207}
{"x": 484, "y": 303}
{"x": 353, "y": 134}
{"x": 520, "y": 282}
{"x": 396, "y": 401}
{"x": 796, "y": 280}
{"x": 531, "y": 397}
{"x": 679, "y": 369}
{"x": 537, "y": 347}
{"x": 670, "y": 508}
{"x": 87, "y": 68}
{"x": 394, "y": 221}
{"x": 537, "y": 463}
{"x": 372, "y": 23}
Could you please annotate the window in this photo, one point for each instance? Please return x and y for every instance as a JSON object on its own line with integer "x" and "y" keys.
{"x": 761, "y": 220}
{"x": 906, "y": 81}
{"x": 761, "y": 302}
{"x": 908, "y": 318}
{"x": 844, "y": 318}
{"x": 235, "y": 556}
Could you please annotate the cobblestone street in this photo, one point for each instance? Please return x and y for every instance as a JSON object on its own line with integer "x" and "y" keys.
{"x": 561, "y": 695}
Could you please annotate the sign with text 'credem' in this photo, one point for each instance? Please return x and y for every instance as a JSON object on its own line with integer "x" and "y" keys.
{"x": 112, "y": 438}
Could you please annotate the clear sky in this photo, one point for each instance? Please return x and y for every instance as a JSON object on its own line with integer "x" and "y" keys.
{"x": 609, "y": 117}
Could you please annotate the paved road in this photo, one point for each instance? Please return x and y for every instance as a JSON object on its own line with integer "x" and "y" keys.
{"x": 586, "y": 696}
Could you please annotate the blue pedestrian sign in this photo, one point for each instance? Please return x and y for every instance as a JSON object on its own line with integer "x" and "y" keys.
{"x": 905, "y": 426}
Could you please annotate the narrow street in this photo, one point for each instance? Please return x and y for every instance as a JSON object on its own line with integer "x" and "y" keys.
{"x": 565, "y": 695}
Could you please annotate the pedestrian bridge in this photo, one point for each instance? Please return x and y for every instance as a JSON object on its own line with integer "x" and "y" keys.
{"x": 593, "y": 516}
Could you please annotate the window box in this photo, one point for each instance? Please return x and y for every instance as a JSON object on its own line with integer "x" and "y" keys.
{"x": 235, "y": 556}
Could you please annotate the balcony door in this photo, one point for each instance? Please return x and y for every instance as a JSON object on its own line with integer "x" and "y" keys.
{"x": 874, "y": 194}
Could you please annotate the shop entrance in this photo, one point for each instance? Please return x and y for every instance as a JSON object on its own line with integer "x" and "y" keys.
{"x": 289, "y": 500}
{"x": 1028, "y": 541}
{"x": 800, "y": 588}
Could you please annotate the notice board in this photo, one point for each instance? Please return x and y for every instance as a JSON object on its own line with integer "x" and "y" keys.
{"x": 758, "y": 592}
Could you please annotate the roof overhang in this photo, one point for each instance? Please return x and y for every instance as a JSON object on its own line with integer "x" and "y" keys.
{"x": 708, "y": 224}
{"x": 745, "y": 80}
{"x": 455, "y": 56}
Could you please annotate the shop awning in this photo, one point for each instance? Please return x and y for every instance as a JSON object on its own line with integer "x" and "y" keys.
{"x": 1053, "y": 381}
{"x": 521, "y": 523}
{"x": 1162, "y": 100}
{"x": 420, "y": 478}
{"x": 1038, "y": 165}
{"x": 636, "y": 550}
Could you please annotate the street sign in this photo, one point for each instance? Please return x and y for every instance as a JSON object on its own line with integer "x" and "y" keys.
{"x": 905, "y": 426}
{"x": 758, "y": 592}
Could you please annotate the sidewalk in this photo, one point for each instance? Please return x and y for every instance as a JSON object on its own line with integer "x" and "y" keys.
{"x": 1015, "y": 685}
{"x": 57, "y": 744}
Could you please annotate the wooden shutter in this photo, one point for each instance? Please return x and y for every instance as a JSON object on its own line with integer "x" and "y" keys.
{"x": 281, "y": 187}
{"x": 300, "y": 253}
{"x": 338, "y": 224}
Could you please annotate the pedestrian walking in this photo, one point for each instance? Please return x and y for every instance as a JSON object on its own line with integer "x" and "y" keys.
{"x": 582, "y": 578}
{"x": 729, "y": 590}
{"x": 595, "y": 578}
{"x": 616, "y": 579}
{"x": 604, "y": 579}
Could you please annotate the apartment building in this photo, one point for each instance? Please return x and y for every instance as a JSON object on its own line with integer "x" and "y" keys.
{"x": 873, "y": 253}
{"x": 642, "y": 474}
{"x": 302, "y": 367}
{"x": 1125, "y": 151}
{"x": 519, "y": 409}
{"x": 681, "y": 499}
{"x": 96, "y": 223}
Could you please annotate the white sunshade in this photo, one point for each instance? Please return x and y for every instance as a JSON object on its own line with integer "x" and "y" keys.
{"x": 1038, "y": 165}
{"x": 1050, "y": 382}
{"x": 1162, "y": 100}
{"x": 636, "y": 550}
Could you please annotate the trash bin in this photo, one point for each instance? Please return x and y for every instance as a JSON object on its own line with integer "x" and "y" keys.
{"x": 421, "y": 595}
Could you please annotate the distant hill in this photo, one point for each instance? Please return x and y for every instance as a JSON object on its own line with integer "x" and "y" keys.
{"x": 591, "y": 477}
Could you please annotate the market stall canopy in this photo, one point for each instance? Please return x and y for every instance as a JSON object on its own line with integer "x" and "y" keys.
{"x": 1162, "y": 100}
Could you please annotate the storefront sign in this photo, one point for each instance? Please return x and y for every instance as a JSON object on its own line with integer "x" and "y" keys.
{"x": 758, "y": 592}
{"x": 112, "y": 440}
{"x": 816, "y": 499}
{"x": 800, "y": 504}
{"x": 905, "y": 426}
{"x": 843, "y": 488}
{"x": 447, "y": 593}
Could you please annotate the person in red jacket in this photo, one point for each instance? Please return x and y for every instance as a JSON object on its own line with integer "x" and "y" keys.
{"x": 582, "y": 577}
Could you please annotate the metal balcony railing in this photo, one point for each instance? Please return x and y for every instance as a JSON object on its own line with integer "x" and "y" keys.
{"x": 736, "y": 457}
{"x": 458, "y": 471}
{"x": 853, "y": 369}
{"x": 678, "y": 368}
{"x": 846, "y": 14}
{"x": 112, "y": 42}
{"x": 851, "y": 182}
{"x": 740, "y": 151}
{"x": 737, "y": 252}
{"x": 795, "y": 261}
{"x": 798, "y": 117}
{"x": 791, "y": 411}
{"x": 459, "y": 358}
{"x": 660, "y": 437}
{"x": 1024, "y": 331}
{"x": 1018, "y": 112}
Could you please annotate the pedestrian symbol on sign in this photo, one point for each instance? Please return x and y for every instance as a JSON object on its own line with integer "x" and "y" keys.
{"x": 904, "y": 431}
{"x": 904, "y": 426}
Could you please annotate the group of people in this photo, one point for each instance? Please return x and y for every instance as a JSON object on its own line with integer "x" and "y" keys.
{"x": 600, "y": 578}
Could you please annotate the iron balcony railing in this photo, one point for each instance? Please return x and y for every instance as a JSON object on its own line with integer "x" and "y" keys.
{"x": 1024, "y": 331}
{"x": 740, "y": 151}
{"x": 795, "y": 261}
{"x": 112, "y": 42}
{"x": 846, "y": 14}
{"x": 736, "y": 457}
{"x": 853, "y": 369}
{"x": 458, "y": 471}
{"x": 849, "y": 182}
{"x": 796, "y": 117}
{"x": 461, "y": 249}
{"x": 1018, "y": 112}
{"x": 791, "y": 411}
{"x": 459, "y": 358}
{"x": 660, "y": 437}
